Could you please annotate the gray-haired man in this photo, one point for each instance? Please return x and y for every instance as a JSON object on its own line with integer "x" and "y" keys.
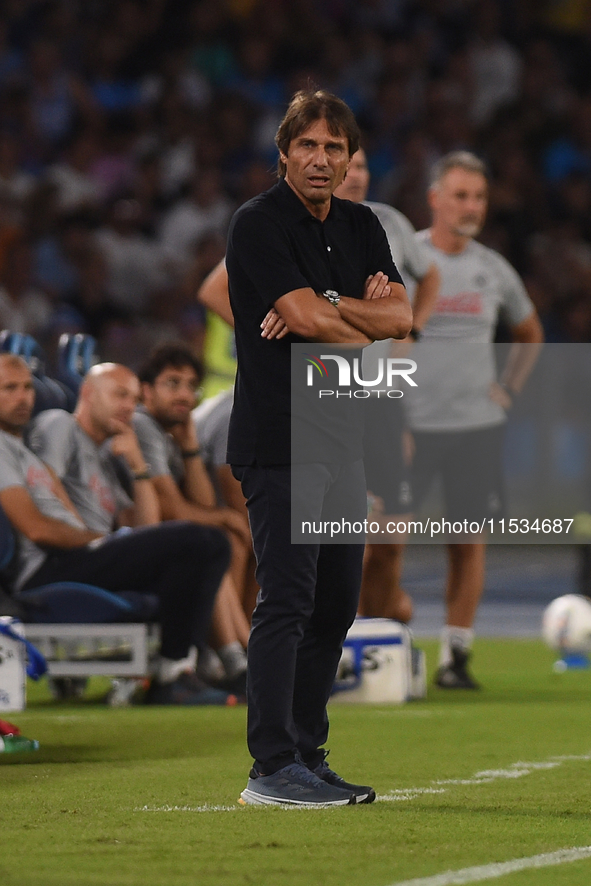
{"x": 457, "y": 410}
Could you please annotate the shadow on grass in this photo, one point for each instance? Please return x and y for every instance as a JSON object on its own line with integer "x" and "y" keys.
{"x": 155, "y": 734}
{"x": 76, "y": 753}
{"x": 555, "y": 695}
{"x": 518, "y": 811}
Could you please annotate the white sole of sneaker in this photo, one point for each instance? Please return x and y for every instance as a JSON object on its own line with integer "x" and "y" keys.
{"x": 251, "y": 798}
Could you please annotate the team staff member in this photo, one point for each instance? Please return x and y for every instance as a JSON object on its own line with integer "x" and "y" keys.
{"x": 86, "y": 454}
{"x": 302, "y": 262}
{"x": 381, "y": 591}
{"x": 457, "y": 410}
{"x": 167, "y": 437}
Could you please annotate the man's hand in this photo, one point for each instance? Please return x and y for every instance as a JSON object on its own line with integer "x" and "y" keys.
{"x": 377, "y": 286}
{"x": 500, "y": 396}
{"x": 184, "y": 434}
{"x": 125, "y": 444}
{"x": 274, "y": 326}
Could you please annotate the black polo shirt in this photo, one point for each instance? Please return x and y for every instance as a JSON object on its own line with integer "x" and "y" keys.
{"x": 275, "y": 245}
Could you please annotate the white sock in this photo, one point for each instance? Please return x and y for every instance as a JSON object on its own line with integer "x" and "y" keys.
{"x": 451, "y": 635}
{"x": 233, "y": 658}
{"x": 168, "y": 669}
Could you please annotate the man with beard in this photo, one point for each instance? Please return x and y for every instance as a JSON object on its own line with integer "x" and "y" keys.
{"x": 66, "y": 507}
{"x": 164, "y": 425}
{"x": 458, "y": 409}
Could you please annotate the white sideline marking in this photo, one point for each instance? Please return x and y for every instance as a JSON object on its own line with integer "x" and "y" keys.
{"x": 408, "y": 794}
{"x": 572, "y": 757}
{"x": 209, "y": 808}
{"x": 206, "y": 808}
{"x": 486, "y": 776}
{"x": 499, "y": 869}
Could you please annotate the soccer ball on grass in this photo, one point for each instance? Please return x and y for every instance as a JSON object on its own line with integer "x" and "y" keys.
{"x": 566, "y": 624}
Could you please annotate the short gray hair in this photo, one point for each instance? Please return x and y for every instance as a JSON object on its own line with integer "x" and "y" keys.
{"x": 457, "y": 160}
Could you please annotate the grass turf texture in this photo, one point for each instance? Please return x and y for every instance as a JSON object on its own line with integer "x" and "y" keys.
{"x": 71, "y": 813}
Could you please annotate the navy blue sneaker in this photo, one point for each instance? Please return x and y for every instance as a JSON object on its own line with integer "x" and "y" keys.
{"x": 294, "y": 785}
{"x": 362, "y": 793}
{"x": 187, "y": 689}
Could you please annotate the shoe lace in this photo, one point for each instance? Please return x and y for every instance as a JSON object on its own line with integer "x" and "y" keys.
{"x": 324, "y": 768}
{"x": 298, "y": 768}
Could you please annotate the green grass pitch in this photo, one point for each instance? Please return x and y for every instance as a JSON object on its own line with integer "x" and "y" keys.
{"x": 122, "y": 796}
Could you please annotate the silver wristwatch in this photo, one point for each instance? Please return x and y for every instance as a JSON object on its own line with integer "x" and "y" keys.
{"x": 333, "y": 297}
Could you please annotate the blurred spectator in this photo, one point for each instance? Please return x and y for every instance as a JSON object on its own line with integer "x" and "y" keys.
{"x": 90, "y": 298}
{"x": 177, "y": 150}
{"x": 14, "y": 182}
{"x": 257, "y": 177}
{"x": 176, "y": 104}
{"x": 212, "y": 54}
{"x": 75, "y": 186}
{"x": 11, "y": 225}
{"x": 23, "y": 307}
{"x": 147, "y": 189}
{"x": 114, "y": 165}
{"x": 60, "y": 255}
{"x": 255, "y": 79}
{"x": 135, "y": 264}
{"x": 571, "y": 153}
{"x": 178, "y": 78}
{"x": 110, "y": 89}
{"x": 11, "y": 60}
{"x": 495, "y": 65}
{"x": 206, "y": 211}
{"x": 56, "y": 95}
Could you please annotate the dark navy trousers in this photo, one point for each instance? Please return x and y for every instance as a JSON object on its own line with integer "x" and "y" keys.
{"x": 307, "y": 602}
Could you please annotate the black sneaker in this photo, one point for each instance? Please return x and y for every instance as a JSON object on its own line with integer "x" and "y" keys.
{"x": 187, "y": 689}
{"x": 294, "y": 785}
{"x": 363, "y": 793}
{"x": 455, "y": 675}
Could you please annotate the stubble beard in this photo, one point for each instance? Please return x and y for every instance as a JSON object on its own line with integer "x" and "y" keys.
{"x": 468, "y": 229}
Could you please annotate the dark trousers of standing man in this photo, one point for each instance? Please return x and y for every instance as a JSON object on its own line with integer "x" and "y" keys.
{"x": 307, "y": 602}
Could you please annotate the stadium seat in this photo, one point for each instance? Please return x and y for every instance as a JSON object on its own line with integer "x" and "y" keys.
{"x": 76, "y": 354}
{"x": 72, "y": 602}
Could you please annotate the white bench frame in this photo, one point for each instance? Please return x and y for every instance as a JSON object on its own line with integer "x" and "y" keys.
{"x": 52, "y": 639}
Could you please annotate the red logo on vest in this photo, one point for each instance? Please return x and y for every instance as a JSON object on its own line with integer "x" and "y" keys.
{"x": 103, "y": 493}
{"x": 462, "y": 303}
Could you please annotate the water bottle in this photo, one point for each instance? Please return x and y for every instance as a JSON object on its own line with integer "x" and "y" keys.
{"x": 12, "y": 744}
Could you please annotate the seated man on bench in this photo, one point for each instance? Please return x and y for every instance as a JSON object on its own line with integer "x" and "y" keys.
{"x": 179, "y": 562}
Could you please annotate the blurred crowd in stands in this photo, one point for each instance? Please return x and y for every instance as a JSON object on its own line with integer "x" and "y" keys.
{"x": 131, "y": 129}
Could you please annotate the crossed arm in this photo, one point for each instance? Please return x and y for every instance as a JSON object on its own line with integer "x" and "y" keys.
{"x": 383, "y": 312}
